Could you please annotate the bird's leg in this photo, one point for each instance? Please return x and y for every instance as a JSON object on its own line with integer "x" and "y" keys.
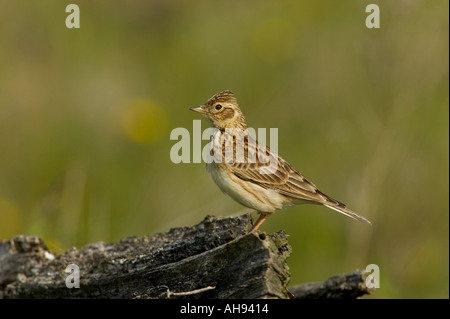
{"x": 262, "y": 217}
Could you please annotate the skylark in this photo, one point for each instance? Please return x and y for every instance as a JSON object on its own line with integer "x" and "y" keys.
{"x": 256, "y": 177}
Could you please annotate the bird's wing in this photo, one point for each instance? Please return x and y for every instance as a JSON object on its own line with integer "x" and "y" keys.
{"x": 265, "y": 168}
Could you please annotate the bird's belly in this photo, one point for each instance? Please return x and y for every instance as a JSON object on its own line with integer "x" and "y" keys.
{"x": 247, "y": 193}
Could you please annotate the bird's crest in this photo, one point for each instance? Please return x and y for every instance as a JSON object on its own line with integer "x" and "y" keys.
{"x": 224, "y": 96}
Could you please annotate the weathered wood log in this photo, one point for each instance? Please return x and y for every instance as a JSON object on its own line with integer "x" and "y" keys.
{"x": 345, "y": 286}
{"x": 217, "y": 258}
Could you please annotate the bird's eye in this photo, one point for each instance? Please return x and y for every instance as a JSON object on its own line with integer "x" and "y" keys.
{"x": 218, "y": 107}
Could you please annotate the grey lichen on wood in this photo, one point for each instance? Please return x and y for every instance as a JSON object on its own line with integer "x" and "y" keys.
{"x": 217, "y": 258}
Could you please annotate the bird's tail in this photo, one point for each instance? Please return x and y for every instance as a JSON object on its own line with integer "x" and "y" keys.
{"x": 347, "y": 212}
{"x": 340, "y": 207}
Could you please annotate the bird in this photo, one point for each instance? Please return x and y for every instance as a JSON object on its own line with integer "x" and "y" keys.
{"x": 249, "y": 171}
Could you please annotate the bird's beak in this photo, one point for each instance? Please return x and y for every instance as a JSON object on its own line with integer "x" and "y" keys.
{"x": 198, "y": 109}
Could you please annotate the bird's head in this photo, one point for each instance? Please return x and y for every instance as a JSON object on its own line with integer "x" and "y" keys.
{"x": 222, "y": 111}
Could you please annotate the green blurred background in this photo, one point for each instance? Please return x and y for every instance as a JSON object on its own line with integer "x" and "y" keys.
{"x": 86, "y": 114}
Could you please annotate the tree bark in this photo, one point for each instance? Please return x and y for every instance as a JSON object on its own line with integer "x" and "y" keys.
{"x": 217, "y": 258}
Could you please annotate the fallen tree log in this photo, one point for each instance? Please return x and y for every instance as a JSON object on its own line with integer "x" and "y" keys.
{"x": 217, "y": 258}
{"x": 345, "y": 286}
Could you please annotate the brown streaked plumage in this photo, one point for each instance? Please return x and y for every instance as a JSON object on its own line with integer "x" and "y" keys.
{"x": 250, "y": 172}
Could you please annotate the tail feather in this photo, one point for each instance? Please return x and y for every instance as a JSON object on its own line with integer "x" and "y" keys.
{"x": 344, "y": 210}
